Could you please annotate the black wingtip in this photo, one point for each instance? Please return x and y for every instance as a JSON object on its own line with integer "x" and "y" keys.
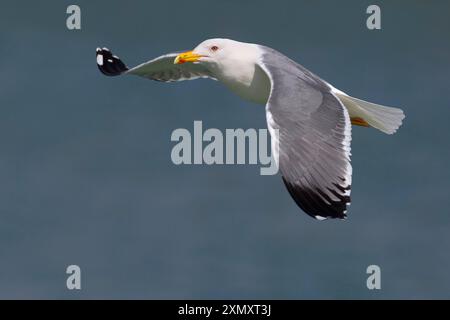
{"x": 108, "y": 63}
{"x": 317, "y": 204}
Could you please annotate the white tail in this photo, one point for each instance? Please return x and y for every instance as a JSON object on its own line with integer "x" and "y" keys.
{"x": 385, "y": 119}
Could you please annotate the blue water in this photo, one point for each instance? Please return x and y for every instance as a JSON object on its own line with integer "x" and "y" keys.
{"x": 86, "y": 176}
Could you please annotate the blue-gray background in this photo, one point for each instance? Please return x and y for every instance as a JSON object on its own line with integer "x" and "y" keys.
{"x": 86, "y": 176}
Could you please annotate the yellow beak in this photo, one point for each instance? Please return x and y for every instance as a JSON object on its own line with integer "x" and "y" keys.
{"x": 188, "y": 56}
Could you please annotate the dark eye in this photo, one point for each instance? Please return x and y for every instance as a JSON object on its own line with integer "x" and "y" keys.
{"x": 214, "y": 48}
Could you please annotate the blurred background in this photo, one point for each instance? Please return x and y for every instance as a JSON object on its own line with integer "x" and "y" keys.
{"x": 86, "y": 176}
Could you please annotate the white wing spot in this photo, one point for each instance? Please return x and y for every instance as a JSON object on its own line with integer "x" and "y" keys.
{"x": 100, "y": 59}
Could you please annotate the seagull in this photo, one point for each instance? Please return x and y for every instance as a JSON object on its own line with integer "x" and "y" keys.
{"x": 309, "y": 120}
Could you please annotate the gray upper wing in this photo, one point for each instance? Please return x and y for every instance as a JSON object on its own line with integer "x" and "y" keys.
{"x": 314, "y": 134}
{"x": 161, "y": 68}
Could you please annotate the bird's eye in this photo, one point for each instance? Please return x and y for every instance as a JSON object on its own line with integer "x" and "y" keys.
{"x": 214, "y": 48}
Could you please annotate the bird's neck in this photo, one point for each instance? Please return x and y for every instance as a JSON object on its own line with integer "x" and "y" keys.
{"x": 245, "y": 78}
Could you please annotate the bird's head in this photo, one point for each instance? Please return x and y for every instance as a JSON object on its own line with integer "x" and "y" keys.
{"x": 208, "y": 52}
{"x": 218, "y": 53}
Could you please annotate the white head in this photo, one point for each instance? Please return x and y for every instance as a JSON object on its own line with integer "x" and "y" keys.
{"x": 217, "y": 54}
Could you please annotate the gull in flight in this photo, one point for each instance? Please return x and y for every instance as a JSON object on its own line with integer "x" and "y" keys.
{"x": 309, "y": 120}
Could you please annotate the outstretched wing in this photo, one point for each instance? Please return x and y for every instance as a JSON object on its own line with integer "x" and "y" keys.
{"x": 314, "y": 135}
{"x": 161, "y": 68}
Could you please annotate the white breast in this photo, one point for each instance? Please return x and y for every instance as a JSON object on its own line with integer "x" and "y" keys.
{"x": 241, "y": 74}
